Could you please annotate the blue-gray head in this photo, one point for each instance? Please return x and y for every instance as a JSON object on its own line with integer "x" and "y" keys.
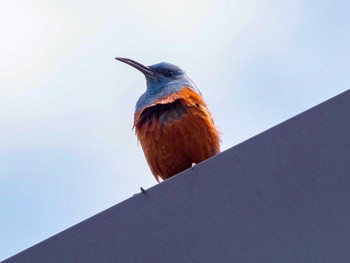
{"x": 162, "y": 80}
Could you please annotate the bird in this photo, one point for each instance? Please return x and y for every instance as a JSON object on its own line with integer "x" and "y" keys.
{"x": 172, "y": 121}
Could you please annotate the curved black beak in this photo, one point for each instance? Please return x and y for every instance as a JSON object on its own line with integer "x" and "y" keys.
{"x": 144, "y": 69}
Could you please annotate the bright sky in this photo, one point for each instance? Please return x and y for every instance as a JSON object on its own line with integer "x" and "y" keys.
{"x": 67, "y": 150}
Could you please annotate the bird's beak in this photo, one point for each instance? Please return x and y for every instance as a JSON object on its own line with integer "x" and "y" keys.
{"x": 145, "y": 70}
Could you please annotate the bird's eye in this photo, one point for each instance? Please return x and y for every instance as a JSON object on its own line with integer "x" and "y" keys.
{"x": 169, "y": 73}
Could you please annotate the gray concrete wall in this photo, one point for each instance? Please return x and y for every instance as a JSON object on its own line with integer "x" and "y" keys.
{"x": 281, "y": 196}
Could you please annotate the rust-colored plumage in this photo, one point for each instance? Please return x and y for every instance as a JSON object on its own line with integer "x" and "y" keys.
{"x": 172, "y": 121}
{"x": 175, "y": 132}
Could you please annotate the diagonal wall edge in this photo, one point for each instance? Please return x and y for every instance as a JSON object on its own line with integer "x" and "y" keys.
{"x": 281, "y": 196}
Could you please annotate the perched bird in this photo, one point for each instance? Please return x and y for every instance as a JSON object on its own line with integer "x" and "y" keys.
{"x": 172, "y": 121}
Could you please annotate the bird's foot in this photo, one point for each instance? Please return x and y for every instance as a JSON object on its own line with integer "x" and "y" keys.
{"x": 143, "y": 190}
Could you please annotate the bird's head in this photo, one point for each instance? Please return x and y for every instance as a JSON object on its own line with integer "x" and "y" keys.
{"x": 163, "y": 79}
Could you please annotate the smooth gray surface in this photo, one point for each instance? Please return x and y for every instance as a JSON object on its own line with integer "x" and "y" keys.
{"x": 282, "y": 196}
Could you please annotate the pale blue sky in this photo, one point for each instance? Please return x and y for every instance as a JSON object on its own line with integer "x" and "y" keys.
{"x": 67, "y": 150}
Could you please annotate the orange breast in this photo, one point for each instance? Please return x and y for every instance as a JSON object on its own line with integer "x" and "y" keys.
{"x": 175, "y": 132}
